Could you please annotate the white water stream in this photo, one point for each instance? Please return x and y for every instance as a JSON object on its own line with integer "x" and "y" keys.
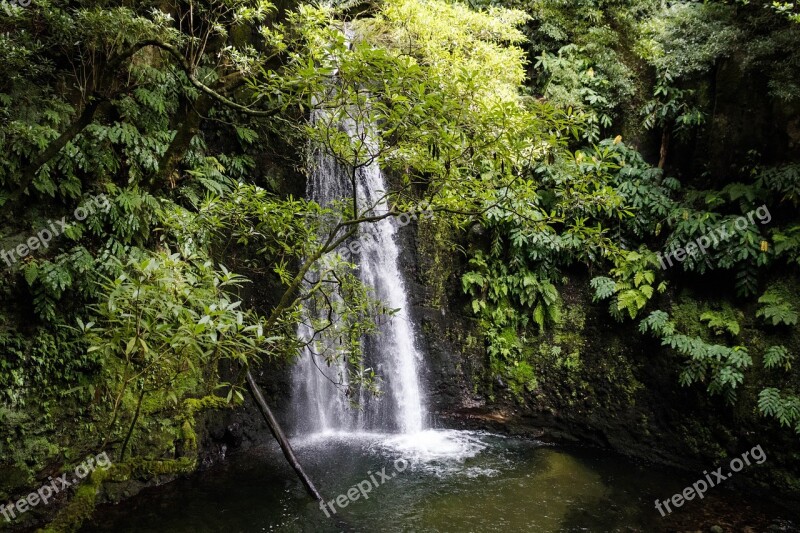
{"x": 320, "y": 405}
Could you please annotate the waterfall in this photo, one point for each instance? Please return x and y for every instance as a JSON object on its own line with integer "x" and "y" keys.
{"x": 392, "y": 352}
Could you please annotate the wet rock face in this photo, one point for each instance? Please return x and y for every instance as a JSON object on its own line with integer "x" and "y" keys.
{"x": 599, "y": 381}
{"x": 452, "y": 359}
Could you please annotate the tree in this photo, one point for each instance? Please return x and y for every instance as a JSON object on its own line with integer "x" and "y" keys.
{"x": 141, "y": 72}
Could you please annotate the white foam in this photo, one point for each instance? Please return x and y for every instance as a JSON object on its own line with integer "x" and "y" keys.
{"x": 435, "y": 451}
{"x": 433, "y": 445}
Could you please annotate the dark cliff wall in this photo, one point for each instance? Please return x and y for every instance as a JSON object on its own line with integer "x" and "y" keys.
{"x": 599, "y": 381}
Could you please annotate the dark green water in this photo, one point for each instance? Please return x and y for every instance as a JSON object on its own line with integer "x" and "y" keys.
{"x": 453, "y": 482}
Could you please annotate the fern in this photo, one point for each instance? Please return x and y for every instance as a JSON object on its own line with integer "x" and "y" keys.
{"x": 604, "y": 288}
{"x": 719, "y": 323}
{"x": 785, "y": 409}
{"x": 633, "y": 283}
{"x": 746, "y": 280}
{"x": 776, "y": 309}
{"x": 658, "y": 323}
{"x": 784, "y": 180}
{"x": 778, "y": 356}
{"x": 209, "y": 178}
{"x": 787, "y": 244}
{"x": 721, "y": 367}
{"x": 246, "y": 135}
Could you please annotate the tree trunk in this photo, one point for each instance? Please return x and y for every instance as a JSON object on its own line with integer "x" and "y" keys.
{"x": 277, "y": 432}
{"x": 133, "y": 425}
{"x": 664, "y": 148}
{"x": 189, "y": 126}
{"x": 85, "y": 118}
{"x": 97, "y": 103}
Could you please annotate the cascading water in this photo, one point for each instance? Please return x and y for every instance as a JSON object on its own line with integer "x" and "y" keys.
{"x": 320, "y": 406}
{"x": 394, "y": 423}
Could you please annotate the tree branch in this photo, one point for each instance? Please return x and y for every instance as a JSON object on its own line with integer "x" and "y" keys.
{"x": 189, "y": 71}
{"x": 277, "y": 432}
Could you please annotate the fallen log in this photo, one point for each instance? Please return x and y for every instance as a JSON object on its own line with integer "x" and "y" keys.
{"x": 277, "y": 432}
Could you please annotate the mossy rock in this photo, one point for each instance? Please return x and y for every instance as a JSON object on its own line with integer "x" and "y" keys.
{"x": 80, "y": 507}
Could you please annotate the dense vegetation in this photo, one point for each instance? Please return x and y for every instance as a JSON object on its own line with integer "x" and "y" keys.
{"x": 556, "y": 142}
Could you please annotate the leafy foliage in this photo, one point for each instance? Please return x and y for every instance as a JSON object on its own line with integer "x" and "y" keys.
{"x": 175, "y": 111}
{"x": 672, "y": 107}
{"x": 721, "y": 367}
{"x": 507, "y": 301}
{"x": 574, "y": 83}
{"x": 160, "y": 335}
{"x": 778, "y": 356}
{"x": 721, "y": 322}
{"x": 776, "y": 309}
{"x": 786, "y": 409}
{"x": 633, "y": 284}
